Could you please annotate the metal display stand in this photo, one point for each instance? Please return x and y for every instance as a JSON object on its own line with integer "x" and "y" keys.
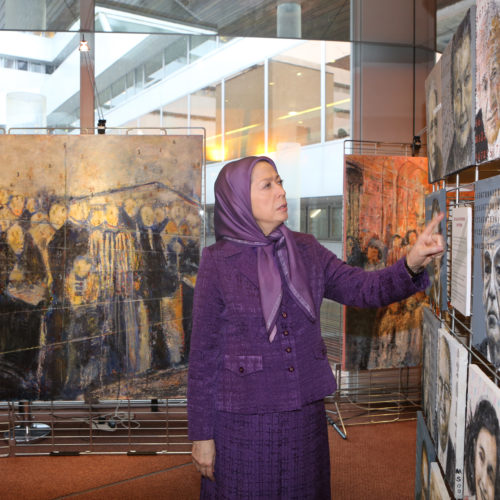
{"x": 27, "y": 431}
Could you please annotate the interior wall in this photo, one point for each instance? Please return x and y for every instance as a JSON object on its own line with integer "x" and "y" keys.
{"x": 390, "y": 63}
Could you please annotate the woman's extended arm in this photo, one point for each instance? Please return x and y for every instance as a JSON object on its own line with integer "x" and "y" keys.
{"x": 353, "y": 286}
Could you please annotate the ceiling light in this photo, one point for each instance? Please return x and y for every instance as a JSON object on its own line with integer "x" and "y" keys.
{"x": 84, "y": 45}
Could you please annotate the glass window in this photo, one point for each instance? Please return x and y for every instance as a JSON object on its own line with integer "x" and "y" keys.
{"x": 206, "y": 112}
{"x": 322, "y": 217}
{"x": 175, "y": 114}
{"x": 338, "y": 90}
{"x": 22, "y": 65}
{"x": 153, "y": 69}
{"x": 176, "y": 54}
{"x": 244, "y": 113}
{"x": 295, "y": 96}
{"x": 201, "y": 45}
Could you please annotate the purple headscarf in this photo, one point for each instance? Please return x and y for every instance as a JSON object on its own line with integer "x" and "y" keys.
{"x": 234, "y": 221}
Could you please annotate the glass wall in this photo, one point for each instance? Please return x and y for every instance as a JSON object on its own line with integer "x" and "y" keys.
{"x": 244, "y": 113}
{"x": 295, "y": 96}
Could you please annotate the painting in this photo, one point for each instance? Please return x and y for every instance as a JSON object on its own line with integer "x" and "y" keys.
{"x": 100, "y": 250}
{"x": 458, "y": 102}
{"x": 486, "y": 276}
{"x": 437, "y": 487}
{"x": 384, "y": 207}
{"x": 487, "y": 80}
{"x": 451, "y": 399}
{"x": 435, "y": 203}
{"x": 426, "y": 454}
{"x": 433, "y": 102}
{"x": 482, "y": 437}
{"x": 430, "y": 339}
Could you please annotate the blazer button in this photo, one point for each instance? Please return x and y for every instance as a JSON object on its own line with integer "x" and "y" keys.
{"x": 285, "y": 333}
{"x": 288, "y": 349}
{"x": 284, "y": 314}
{"x": 242, "y": 369}
{"x": 291, "y": 369}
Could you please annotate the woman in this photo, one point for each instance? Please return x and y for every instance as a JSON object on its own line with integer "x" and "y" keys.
{"x": 258, "y": 368}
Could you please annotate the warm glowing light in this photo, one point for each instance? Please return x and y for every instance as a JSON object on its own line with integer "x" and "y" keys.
{"x": 84, "y": 46}
{"x": 299, "y": 73}
{"x": 271, "y": 83}
{"x": 310, "y": 110}
{"x": 215, "y": 153}
{"x": 336, "y": 103}
{"x": 315, "y": 213}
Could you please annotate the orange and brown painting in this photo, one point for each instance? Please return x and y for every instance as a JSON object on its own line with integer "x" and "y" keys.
{"x": 384, "y": 213}
{"x": 99, "y": 250}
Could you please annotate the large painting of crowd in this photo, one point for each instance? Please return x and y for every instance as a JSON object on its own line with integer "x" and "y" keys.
{"x": 384, "y": 207}
{"x": 99, "y": 250}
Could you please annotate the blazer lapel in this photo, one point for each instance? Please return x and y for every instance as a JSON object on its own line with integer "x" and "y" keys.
{"x": 243, "y": 259}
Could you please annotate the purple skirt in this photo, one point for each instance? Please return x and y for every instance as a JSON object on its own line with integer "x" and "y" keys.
{"x": 272, "y": 456}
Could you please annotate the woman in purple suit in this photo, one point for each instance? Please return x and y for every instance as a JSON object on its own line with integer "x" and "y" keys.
{"x": 258, "y": 370}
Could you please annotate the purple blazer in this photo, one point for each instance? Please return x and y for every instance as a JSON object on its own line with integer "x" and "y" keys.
{"x": 232, "y": 365}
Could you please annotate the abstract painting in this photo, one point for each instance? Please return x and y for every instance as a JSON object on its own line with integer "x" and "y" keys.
{"x": 486, "y": 276}
{"x": 482, "y": 437}
{"x": 433, "y": 102}
{"x": 458, "y": 102}
{"x": 430, "y": 340}
{"x": 434, "y": 204}
{"x": 100, "y": 250}
{"x": 384, "y": 207}
{"x": 426, "y": 454}
{"x": 487, "y": 80}
{"x": 451, "y": 399}
{"x": 437, "y": 487}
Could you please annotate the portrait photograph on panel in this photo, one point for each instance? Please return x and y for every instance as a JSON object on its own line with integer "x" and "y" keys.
{"x": 437, "y": 485}
{"x": 486, "y": 281}
{"x": 430, "y": 340}
{"x": 100, "y": 252}
{"x": 458, "y": 88}
{"x": 426, "y": 454}
{"x": 487, "y": 80}
{"x": 434, "y": 122}
{"x": 384, "y": 210}
{"x": 482, "y": 437}
{"x": 451, "y": 400}
{"x": 435, "y": 203}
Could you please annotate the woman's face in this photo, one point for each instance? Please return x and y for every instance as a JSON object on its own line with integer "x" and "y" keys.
{"x": 268, "y": 197}
{"x": 485, "y": 465}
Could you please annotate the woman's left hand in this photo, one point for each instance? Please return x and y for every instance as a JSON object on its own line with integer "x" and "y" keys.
{"x": 429, "y": 245}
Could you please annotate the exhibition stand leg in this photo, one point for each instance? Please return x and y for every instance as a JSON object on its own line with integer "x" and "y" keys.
{"x": 27, "y": 431}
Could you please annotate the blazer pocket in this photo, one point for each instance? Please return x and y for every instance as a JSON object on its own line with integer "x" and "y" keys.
{"x": 320, "y": 351}
{"x": 243, "y": 365}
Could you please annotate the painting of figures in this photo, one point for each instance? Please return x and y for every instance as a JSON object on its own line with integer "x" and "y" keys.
{"x": 458, "y": 89}
{"x": 426, "y": 454}
{"x": 433, "y": 103}
{"x": 451, "y": 399}
{"x": 384, "y": 207}
{"x": 430, "y": 337}
{"x": 435, "y": 203}
{"x": 100, "y": 250}
{"x": 437, "y": 486}
{"x": 482, "y": 437}
{"x": 487, "y": 80}
{"x": 486, "y": 282}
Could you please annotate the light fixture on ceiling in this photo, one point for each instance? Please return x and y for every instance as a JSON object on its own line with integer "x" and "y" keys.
{"x": 84, "y": 45}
